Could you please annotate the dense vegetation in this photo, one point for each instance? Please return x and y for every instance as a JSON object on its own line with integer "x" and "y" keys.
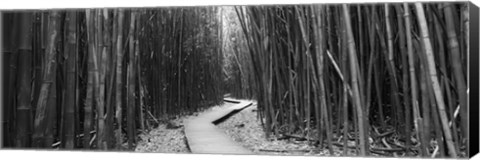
{"x": 328, "y": 72}
{"x": 91, "y": 78}
{"x": 391, "y": 78}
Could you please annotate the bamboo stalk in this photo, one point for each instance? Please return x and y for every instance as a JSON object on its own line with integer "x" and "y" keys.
{"x": 47, "y": 77}
{"x": 119, "y": 88}
{"x": 434, "y": 79}
{"x": 353, "y": 63}
{"x": 23, "y": 107}
{"x": 131, "y": 83}
{"x": 70, "y": 102}
{"x": 88, "y": 116}
{"x": 413, "y": 83}
{"x": 456, "y": 62}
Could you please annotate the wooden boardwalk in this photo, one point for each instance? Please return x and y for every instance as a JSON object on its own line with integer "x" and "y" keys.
{"x": 204, "y": 137}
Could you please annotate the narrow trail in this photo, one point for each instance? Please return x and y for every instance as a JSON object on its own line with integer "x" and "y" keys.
{"x": 204, "y": 137}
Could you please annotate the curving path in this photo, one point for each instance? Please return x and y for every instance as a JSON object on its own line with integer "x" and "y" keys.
{"x": 204, "y": 137}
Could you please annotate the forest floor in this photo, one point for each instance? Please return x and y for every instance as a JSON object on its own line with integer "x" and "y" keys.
{"x": 246, "y": 129}
{"x": 165, "y": 139}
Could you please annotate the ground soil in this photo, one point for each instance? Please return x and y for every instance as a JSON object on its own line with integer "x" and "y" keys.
{"x": 163, "y": 140}
{"x": 244, "y": 128}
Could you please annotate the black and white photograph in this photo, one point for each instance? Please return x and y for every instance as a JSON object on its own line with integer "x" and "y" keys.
{"x": 377, "y": 79}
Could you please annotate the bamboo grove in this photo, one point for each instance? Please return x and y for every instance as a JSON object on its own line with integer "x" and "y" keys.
{"x": 95, "y": 78}
{"x": 389, "y": 77}
{"x": 238, "y": 68}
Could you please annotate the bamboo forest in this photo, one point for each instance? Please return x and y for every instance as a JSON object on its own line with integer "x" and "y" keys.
{"x": 373, "y": 79}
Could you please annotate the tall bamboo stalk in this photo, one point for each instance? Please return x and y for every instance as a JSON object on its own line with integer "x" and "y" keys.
{"x": 47, "y": 77}
{"x": 131, "y": 83}
{"x": 453, "y": 46}
{"x": 119, "y": 87}
{"x": 364, "y": 146}
{"x": 411, "y": 64}
{"x": 70, "y": 102}
{"x": 434, "y": 79}
{"x": 24, "y": 107}
{"x": 100, "y": 65}
{"x": 89, "y": 100}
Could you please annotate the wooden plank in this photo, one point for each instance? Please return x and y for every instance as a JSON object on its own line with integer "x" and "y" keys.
{"x": 230, "y": 100}
{"x": 204, "y": 137}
